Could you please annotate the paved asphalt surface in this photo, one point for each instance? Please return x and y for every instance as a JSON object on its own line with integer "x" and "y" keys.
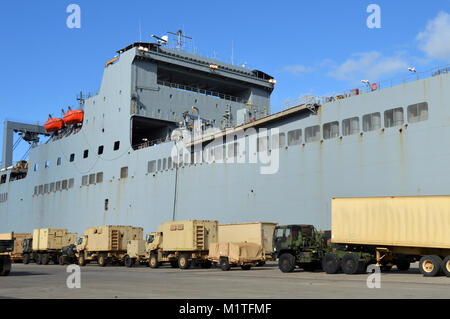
{"x": 49, "y": 281}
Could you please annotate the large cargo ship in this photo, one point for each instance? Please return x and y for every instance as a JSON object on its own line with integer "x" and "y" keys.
{"x": 118, "y": 159}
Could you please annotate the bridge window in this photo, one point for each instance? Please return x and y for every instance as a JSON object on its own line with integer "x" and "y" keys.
{"x": 159, "y": 165}
{"x": 3, "y": 179}
{"x": 262, "y": 143}
{"x": 418, "y": 112}
{"x": 71, "y": 182}
{"x": 100, "y": 177}
{"x": 41, "y": 189}
{"x": 85, "y": 153}
{"x": 330, "y": 130}
{"x": 52, "y": 187}
{"x": 45, "y": 188}
{"x": 64, "y": 184}
{"x": 84, "y": 180}
{"x": 169, "y": 162}
{"x": 58, "y": 186}
{"x": 164, "y": 163}
{"x": 151, "y": 167}
{"x": 91, "y": 179}
{"x": 47, "y": 164}
{"x": 350, "y": 126}
{"x": 294, "y": 137}
{"x": 72, "y": 157}
{"x": 124, "y": 172}
{"x": 278, "y": 140}
{"x": 36, "y": 167}
{"x": 393, "y": 117}
{"x": 116, "y": 145}
{"x": 58, "y": 161}
{"x": 100, "y": 150}
{"x": 312, "y": 134}
{"x": 371, "y": 122}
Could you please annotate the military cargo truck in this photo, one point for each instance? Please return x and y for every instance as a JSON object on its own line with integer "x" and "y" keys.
{"x": 46, "y": 244}
{"x": 106, "y": 244}
{"x": 182, "y": 243}
{"x": 231, "y": 254}
{"x": 396, "y": 231}
{"x": 298, "y": 245}
{"x": 6, "y": 248}
{"x": 17, "y": 253}
{"x": 260, "y": 233}
{"x": 68, "y": 255}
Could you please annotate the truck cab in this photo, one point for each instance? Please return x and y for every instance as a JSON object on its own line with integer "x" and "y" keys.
{"x": 298, "y": 245}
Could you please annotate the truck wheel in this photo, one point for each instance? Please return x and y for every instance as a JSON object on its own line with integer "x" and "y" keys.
{"x": 128, "y": 261}
{"x": 286, "y": 263}
{"x": 26, "y": 259}
{"x": 37, "y": 259}
{"x": 174, "y": 264}
{"x": 61, "y": 260}
{"x": 153, "y": 262}
{"x": 183, "y": 261}
{"x": 81, "y": 260}
{"x": 44, "y": 259}
{"x": 225, "y": 264}
{"x": 351, "y": 265}
{"x": 246, "y": 267}
{"x": 331, "y": 263}
{"x": 102, "y": 260}
{"x": 430, "y": 265}
{"x": 5, "y": 266}
{"x": 446, "y": 266}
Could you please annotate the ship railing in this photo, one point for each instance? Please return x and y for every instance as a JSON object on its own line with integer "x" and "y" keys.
{"x": 202, "y": 91}
{"x": 149, "y": 143}
{"x": 367, "y": 88}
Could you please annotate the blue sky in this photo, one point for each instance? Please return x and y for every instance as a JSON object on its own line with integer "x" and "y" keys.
{"x": 310, "y": 47}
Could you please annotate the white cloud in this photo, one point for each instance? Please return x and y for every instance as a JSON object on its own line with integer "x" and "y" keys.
{"x": 435, "y": 39}
{"x": 370, "y": 66}
{"x": 298, "y": 69}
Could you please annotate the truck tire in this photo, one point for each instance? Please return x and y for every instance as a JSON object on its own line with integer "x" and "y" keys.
{"x": 62, "y": 260}
{"x": 102, "y": 260}
{"x": 430, "y": 265}
{"x": 183, "y": 261}
{"x": 44, "y": 259}
{"x": 26, "y": 259}
{"x": 446, "y": 266}
{"x": 5, "y": 266}
{"x": 81, "y": 260}
{"x": 128, "y": 261}
{"x": 225, "y": 264}
{"x": 37, "y": 259}
{"x": 153, "y": 262}
{"x": 286, "y": 263}
{"x": 350, "y": 264}
{"x": 246, "y": 267}
{"x": 331, "y": 263}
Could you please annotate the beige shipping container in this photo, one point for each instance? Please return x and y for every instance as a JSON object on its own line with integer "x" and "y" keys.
{"x": 190, "y": 235}
{"x": 111, "y": 238}
{"x": 52, "y": 239}
{"x": 236, "y": 252}
{"x": 421, "y": 221}
{"x": 260, "y": 233}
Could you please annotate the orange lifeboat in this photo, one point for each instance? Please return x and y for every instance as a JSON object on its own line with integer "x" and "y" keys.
{"x": 53, "y": 125}
{"x": 73, "y": 117}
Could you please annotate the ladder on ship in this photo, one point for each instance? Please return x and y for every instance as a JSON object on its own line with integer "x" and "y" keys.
{"x": 114, "y": 239}
{"x": 200, "y": 237}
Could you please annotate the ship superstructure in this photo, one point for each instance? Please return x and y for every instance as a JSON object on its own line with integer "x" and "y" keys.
{"x": 118, "y": 166}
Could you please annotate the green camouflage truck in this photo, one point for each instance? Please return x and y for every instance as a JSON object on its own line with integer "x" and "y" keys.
{"x": 6, "y": 247}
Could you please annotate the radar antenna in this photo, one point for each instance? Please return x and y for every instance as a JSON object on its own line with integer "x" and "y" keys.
{"x": 180, "y": 37}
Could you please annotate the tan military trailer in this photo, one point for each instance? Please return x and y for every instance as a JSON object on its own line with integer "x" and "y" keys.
{"x": 16, "y": 255}
{"x": 46, "y": 245}
{"x": 231, "y": 254}
{"x": 260, "y": 233}
{"x": 180, "y": 243}
{"x": 106, "y": 244}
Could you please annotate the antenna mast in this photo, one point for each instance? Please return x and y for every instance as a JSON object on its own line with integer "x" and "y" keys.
{"x": 180, "y": 37}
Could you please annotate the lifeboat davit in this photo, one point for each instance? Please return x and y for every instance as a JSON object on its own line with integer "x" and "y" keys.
{"x": 73, "y": 117}
{"x": 53, "y": 125}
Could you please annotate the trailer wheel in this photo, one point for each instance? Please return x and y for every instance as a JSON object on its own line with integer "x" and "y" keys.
{"x": 102, "y": 260}
{"x": 351, "y": 265}
{"x": 224, "y": 264}
{"x": 5, "y": 266}
{"x": 246, "y": 267}
{"x": 446, "y": 266}
{"x": 331, "y": 263}
{"x": 286, "y": 263}
{"x": 153, "y": 262}
{"x": 430, "y": 265}
{"x": 62, "y": 260}
{"x": 44, "y": 259}
{"x": 26, "y": 259}
{"x": 81, "y": 260}
{"x": 183, "y": 261}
